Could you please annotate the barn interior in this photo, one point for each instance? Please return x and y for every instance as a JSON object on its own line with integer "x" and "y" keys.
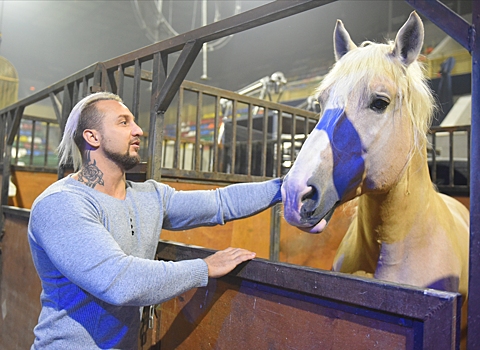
{"x": 256, "y": 107}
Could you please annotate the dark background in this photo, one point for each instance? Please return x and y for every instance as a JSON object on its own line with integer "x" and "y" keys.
{"x": 49, "y": 40}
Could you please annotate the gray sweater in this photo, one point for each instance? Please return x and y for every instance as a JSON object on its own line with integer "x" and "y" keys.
{"x": 94, "y": 255}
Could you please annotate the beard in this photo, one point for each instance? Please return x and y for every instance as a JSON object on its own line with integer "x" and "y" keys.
{"x": 125, "y": 161}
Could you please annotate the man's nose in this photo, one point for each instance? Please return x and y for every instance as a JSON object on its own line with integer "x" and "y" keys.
{"x": 137, "y": 130}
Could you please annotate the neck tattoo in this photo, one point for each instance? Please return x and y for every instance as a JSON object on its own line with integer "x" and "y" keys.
{"x": 90, "y": 174}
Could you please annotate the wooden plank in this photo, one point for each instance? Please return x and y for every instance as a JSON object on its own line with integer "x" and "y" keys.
{"x": 19, "y": 286}
{"x": 262, "y": 304}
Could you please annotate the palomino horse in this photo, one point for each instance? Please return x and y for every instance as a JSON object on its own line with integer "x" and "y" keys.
{"x": 370, "y": 143}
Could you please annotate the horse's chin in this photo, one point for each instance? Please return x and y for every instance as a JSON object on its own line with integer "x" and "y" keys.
{"x": 321, "y": 224}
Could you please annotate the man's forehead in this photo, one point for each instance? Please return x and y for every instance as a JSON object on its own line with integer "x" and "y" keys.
{"x": 107, "y": 104}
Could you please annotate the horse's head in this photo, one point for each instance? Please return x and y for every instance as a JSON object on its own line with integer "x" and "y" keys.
{"x": 370, "y": 102}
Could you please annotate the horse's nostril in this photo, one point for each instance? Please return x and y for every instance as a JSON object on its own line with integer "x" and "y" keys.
{"x": 309, "y": 202}
{"x": 311, "y": 195}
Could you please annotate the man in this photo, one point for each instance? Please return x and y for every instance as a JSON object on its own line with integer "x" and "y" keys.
{"x": 93, "y": 235}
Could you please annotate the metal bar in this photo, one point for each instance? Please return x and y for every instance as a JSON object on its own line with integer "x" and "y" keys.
{"x": 263, "y": 168}
{"x": 97, "y": 78}
{"x": 75, "y": 98}
{"x": 183, "y": 148}
{"x": 275, "y": 233}
{"x": 198, "y": 131}
{"x": 104, "y": 86}
{"x": 57, "y": 87}
{"x": 434, "y": 157}
{"x": 279, "y": 144}
{"x": 54, "y": 100}
{"x": 164, "y": 150}
{"x": 202, "y": 149}
{"x": 210, "y": 156}
{"x": 84, "y": 86}
{"x": 3, "y": 128}
{"x": 15, "y": 124}
{"x": 111, "y": 81}
{"x": 6, "y": 172}
{"x": 155, "y": 135}
{"x": 136, "y": 88}
{"x": 234, "y": 136}
{"x": 178, "y": 130}
{"x": 469, "y": 143}
{"x": 256, "y": 17}
{"x": 178, "y": 73}
{"x": 451, "y": 164}
{"x": 66, "y": 105}
{"x": 473, "y": 340}
{"x": 206, "y": 89}
{"x": 121, "y": 78}
{"x": 204, "y": 176}
{"x": 446, "y": 19}
{"x": 32, "y": 142}
{"x": 293, "y": 133}
{"x": 39, "y": 119}
{"x": 17, "y": 146}
{"x": 215, "y": 134}
{"x": 249, "y": 139}
{"x": 47, "y": 136}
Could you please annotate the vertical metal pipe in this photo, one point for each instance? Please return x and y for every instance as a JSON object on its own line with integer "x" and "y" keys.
{"x": 293, "y": 133}
{"x": 473, "y": 340}
{"x": 32, "y": 142}
{"x": 275, "y": 233}
{"x": 121, "y": 80}
{"x": 249, "y": 139}
{"x": 469, "y": 140}
{"x": 75, "y": 98}
{"x": 279, "y": 146}
{"x": 198, "y": 131}
{"x": 155, "y": 131}
{"x": 234, "y": 135}
{"x": 205, "y": 45}
{"x": 66, "y": 104}
{"x": 280, "y": 142}
{"x": 137, "y": 77}
{"x": 17, "y": 145}
{"x": 451, "y": 163}
{"x": 47, "y": 136}
{"x": 164, "y": 144}
{"x": 84, "y": 86}
{"x": 215, "y": 133}
{"x": 178, "y": 130}
{"x": 434, "y": 157}
{"x": 263, "y": 169}
{"x": 3, "y": 128}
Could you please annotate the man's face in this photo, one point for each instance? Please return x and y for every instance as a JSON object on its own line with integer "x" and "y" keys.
{"x": 120, "y": 135}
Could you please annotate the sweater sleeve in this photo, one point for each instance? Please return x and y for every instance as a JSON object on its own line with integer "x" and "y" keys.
{"x": 188, "y": 209}
{"x": 69, "y": 243}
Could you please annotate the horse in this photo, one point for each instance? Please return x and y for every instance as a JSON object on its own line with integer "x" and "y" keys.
{"x": 370, "y": 144}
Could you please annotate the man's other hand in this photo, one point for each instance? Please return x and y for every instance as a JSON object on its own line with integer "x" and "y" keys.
{"x": 224, "y": 261}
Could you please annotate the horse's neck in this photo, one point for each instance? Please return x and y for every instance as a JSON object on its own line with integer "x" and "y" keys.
{"x": 390, "y": 217}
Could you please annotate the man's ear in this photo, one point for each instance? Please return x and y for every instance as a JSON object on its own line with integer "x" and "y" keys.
{"x": 92, "y": 137}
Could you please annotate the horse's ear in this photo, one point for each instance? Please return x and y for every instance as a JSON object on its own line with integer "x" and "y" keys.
{"x": 409, "y": 40}
{"x": 342, "y": 43}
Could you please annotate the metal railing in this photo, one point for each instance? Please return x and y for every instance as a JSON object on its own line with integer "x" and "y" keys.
{"x": 449, "y": 158}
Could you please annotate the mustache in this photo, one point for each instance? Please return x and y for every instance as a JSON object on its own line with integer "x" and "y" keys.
{"x": 135, "y": 140}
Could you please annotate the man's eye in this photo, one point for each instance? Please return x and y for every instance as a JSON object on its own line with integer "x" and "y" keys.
{"x": 379, "y": 104}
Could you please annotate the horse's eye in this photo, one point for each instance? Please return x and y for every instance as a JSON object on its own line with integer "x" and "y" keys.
{"x": 379, "y": 104}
